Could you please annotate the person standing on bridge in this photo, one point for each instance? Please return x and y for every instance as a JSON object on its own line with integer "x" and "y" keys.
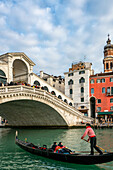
{"x": 92, "y": 137}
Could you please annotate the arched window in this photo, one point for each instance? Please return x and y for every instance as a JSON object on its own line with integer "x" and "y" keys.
{"x": 82, "y": 80}
{"x": 46, "y": 88}
{"x": 70, "y": 82}
{"x": 53, "y": 93}
{"x": 37, "y": 83}
{"x": 82, "y": 89}
{"x": 59, "y": 97}
{"x": 2, "y": 73}
{"x": 65, "y": 100}
{"x": 70, "y": 104}
{"x": 3, "y": 78}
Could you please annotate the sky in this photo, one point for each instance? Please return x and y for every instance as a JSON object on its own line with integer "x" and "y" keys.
{"x": 56, "y": 33}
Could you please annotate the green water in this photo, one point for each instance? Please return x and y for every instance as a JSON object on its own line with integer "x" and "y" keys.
{"x": 12, "y": 157}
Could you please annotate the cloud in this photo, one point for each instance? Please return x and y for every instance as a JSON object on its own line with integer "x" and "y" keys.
{"x": 56, "y": 33}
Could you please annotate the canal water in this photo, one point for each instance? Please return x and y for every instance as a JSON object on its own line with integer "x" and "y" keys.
{"x": 14, "y": 158}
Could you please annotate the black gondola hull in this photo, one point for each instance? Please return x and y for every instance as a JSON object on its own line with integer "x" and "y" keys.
{"x": 70, "y": 158}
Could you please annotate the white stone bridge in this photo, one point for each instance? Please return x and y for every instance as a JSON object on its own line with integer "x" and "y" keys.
{"x": 28, "y": 106}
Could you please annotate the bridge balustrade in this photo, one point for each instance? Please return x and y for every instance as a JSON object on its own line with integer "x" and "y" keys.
{"x": 47, "y": 96}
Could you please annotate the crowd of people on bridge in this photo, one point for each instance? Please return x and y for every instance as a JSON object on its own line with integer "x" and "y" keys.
{"x": 34, "y": 86}
{"x": 21, "y": 83}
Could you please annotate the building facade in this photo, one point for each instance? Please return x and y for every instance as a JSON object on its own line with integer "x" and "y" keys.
{"x": 55, "y": 81}
{"x": 77, "y": 85}
{"x": 101, "y": 87}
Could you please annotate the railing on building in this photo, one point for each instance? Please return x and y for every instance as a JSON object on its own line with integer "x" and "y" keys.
{"x": 109, "y": 94}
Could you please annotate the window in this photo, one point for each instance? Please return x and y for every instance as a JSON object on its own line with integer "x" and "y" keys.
{"x": 70, "y": 104}
{"x": 98, "y": 80}
{"x": 111, "y": 100}
{"x": 103, "y": 80}
{"x": 45, "y": 88}
{"x": 53, "y": 93}
{"x": 82, "y": 89}
{"x": 92, "y": 81}
{"x": 54, "y": 80}
{"x": 108, "y": 89}
{"x": 98, "y": 109}
{"x": 59, "y": 97}
{"x": 53, "y": 85}
{"x": 110, "y": 65}
{"x": 70, "y": 82}
{"x": 82, "y": 72}
{"x": 111, "y": 108}
{"x": 92, "y": 90}
{"x": 111, "y": 90}
{"x": 103, "y": 90}
{"x": 107, "y": 66}
{"x": 2, "y": 73}
{"x": 82, "y": 99}
{"x": 71, "y": 74}
{"x": 98, "y": 100}
{"x": 111, "y": 79}
{"x": 82, "y": 80}
{"x": 71, "y": 91}
{"x": 65, "y": 100}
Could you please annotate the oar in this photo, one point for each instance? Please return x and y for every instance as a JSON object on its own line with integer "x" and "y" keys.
{"x": 97, "y": 146}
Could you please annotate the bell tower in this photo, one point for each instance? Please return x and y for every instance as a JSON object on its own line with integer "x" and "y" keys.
{"x": 108, "y": 56}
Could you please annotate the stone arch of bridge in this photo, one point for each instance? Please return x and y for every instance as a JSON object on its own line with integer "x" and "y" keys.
{"x": 38, "y": 111}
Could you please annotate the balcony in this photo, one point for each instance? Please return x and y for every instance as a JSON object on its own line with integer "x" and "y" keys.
{"x": 109, "y": 94}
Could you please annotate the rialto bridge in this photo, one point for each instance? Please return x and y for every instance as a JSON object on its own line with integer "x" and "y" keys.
{"x": 27, "y": 106}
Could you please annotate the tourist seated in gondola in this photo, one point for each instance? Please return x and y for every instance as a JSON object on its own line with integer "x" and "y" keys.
{"x": 53, "y": 147}
{"x": 61, "y": 145}
{"x": 62, "y": 149}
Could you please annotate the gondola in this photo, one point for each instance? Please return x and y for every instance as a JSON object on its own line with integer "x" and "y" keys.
{"x": 76, "y": 158}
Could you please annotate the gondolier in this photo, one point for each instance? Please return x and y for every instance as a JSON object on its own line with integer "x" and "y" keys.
{"x": 76, "y": 158}
{"x": 92, "y": 137}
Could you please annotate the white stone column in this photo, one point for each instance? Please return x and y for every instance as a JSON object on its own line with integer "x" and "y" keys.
{"x": 10, "y": 69}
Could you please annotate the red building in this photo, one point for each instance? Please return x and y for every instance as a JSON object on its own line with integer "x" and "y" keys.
{"x": 101, "y": 87}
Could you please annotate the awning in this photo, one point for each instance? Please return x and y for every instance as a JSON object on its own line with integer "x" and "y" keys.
{"x": 105, "y": 113}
